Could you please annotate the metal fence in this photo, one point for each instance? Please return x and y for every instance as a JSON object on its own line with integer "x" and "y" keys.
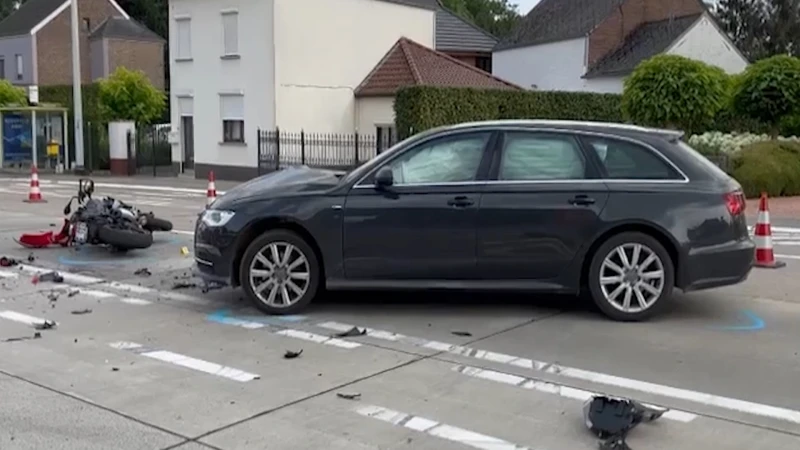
{"x": 278, "y": 149}
{"x": 151, "y": 151}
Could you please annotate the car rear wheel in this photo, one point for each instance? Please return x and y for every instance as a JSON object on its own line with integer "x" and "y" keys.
{"x": 631, "y": 277}
{"x": 280, "y": 272}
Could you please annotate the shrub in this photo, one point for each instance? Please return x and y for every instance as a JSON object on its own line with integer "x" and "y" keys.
{"x": 129, "y": 95}
{"x": 12, "y": 95}
{"x": 769, "y": 90}
{"x": 770, "y": 166}
{"x": 675, "y": 92}
{"x": 62, "y": 95}
{"x": 715, "y": 142}
{"x": 419, "y": 108}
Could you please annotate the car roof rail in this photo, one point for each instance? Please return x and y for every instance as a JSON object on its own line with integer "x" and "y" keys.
{"x": 672, "y": 135}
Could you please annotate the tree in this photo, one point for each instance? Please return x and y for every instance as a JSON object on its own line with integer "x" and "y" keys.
{"x": 497, "y": 17}
{"x": 9, "y": 6}
{"x": 675, "y": 92}
{"x": 129, "y": 95}
{"x": 761, "y": 28}
{"x": 769, "y": 90}
{"x": 12, "y": 95}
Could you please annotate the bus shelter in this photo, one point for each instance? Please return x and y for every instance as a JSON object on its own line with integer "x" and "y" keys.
{"x": 34, "y": 135}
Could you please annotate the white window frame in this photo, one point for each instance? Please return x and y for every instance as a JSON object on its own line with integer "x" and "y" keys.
{"x": 230, "y": 38}
{"x": 183, "y": 54}
{"x": 19, "y": 62}
{"x": 232, "y": 115}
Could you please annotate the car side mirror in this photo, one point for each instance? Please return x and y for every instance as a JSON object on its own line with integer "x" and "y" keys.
{"x": 384, "y": 178}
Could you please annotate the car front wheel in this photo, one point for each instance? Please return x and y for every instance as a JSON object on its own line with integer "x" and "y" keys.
{"x": 631, "y": 277}
{"x": 280, "y": 272}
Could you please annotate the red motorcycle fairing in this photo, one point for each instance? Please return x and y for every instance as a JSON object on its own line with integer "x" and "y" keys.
{"x": 47, "y": 238}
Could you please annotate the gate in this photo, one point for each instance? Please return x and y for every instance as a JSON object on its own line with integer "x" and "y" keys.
{"x": 153, "y": 151}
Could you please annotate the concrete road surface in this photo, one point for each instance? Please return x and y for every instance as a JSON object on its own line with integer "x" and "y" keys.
{"x": 153, "y": 362}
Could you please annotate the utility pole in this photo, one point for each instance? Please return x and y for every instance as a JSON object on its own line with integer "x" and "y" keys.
{"x": 77, "y": 96}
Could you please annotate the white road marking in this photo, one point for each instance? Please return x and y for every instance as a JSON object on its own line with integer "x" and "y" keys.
{"x": 787, "y": 256}
{"x": 319, "y": 339}
{"x": 21, "y": 318}
{"x": 125, "y": 287}
{"x": 108, "y": 295}
{"x": 8, "y": 274}
{"x": 70, "y": 278}
{"x": 133, "y": 187}
{"x": 187, "y": 361}
{"x": 437, "y": 429}
{"x": 188, "y": 233}
{"x": 557, "y": 389}
{"x": 732, "y": 404}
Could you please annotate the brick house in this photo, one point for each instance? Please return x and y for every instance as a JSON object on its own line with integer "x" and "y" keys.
{"x": 591, "y": 45}
{"x": 36, "y": 45}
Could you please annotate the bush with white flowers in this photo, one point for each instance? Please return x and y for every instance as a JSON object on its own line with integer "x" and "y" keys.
{"x": 715, "y": 142}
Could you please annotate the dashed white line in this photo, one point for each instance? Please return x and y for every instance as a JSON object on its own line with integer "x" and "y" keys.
{"x": 731, "y": 404}
{"x": 319, "y": 339}
{"x": 21, "y": 318}
{"x": 187, "y": 361}
{"x": 437, "y": 429}
{"x": 553, "y": 388}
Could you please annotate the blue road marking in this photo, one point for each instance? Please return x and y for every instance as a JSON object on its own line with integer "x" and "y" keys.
{"x": 752, "y": 323}
{"x": 225, "y": 316}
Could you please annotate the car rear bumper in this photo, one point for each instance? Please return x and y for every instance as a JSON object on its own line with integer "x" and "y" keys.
{"x": 718, "y": 266}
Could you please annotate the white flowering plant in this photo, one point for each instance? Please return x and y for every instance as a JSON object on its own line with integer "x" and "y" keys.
{"x": 713, "y": 143}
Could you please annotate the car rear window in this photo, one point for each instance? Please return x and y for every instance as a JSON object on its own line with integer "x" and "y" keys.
{"x": 704, "y": 162}
{"x": 624, "y": 160}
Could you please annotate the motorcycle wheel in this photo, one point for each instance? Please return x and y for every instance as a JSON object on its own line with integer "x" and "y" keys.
{"x": 125, "y": 239}
{"x": 153, "y": 223}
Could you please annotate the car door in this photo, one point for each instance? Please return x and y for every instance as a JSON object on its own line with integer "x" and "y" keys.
{"x": 542, "y": 204}
{"x": 423, "y": 226}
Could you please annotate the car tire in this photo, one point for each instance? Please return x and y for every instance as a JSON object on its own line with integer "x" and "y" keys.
{"x": 656, "y": 294}
{"x": 280, "y": 239}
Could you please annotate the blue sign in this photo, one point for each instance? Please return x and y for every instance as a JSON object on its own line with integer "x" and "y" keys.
{"x": 17, "y": 138}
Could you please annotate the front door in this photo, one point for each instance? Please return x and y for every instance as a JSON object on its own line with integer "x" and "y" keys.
{"x": 187, "y": 127}
{"x": 423, "y": 226}
{"x": 543, "y": 206}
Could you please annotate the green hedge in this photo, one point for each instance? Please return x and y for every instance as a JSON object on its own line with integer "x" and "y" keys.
{"x": 419, "y": 108}
{"x": 771, "y": 166}
{"x": 63, "y": 96}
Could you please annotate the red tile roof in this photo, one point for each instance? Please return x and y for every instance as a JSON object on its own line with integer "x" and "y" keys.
{"x": 409, "y": 63}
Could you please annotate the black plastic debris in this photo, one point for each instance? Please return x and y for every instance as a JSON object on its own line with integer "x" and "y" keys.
{"x": 461, "y": 333}
{"x": 8, "y": 262}
{"x": 55, "y": 277}
{"x": 31, "y": 258}
{"x": 115, "y": 369}
{"x": 143, "y": 272}
{"x": 73, "y": 293}
{"x": 353, "y": 396}
{"x": 352, "y": 332}
{"x": 183, "y": 285}
{"x": 291, "y": 355}
{"x": 36, "y": 335}
{"x": 207, "y": 287}
{"x": 46, "y": 325}
{"x": 79, "y": 312}
{"x": 611, "y": 419}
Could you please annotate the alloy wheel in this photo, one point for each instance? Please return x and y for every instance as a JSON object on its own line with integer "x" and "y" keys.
{"x": 280, "y": 274}
{"x": 632, "y": 277}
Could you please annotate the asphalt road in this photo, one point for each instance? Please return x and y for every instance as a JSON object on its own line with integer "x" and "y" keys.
{"x": 139, "y": 362}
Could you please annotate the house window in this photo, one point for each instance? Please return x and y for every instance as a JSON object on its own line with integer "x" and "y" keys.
{"x": 386, "y": 136}
{"x": 87, "y": 24}
{"x": 183, "y": 38}
{"x": 484, "y": 63}
{"x": 230, "y": 33}
{"x": 20, "y": 72}
{"x": 2, "y": 68}
{"x": 232, "y": 112}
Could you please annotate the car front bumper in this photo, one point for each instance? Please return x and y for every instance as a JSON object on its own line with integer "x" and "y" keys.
{"x": 718, "y": 266}
{"x": 214, "y": 252}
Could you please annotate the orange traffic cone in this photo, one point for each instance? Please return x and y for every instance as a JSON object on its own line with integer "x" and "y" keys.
{"x": 34, "y": 195}
{"x": 765, "y": 255}
{"x": 211, "y": 192}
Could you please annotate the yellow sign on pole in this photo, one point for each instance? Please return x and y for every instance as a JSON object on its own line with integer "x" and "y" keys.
{"x": 52, "y": 149}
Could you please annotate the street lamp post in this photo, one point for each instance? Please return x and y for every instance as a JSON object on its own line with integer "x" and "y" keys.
{"x": 77, "y": 97}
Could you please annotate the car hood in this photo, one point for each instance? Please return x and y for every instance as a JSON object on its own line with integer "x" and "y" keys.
{"x": 282, "y": 183}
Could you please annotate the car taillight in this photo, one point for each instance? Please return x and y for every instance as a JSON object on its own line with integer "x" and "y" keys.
{"x": 735, "y": 202}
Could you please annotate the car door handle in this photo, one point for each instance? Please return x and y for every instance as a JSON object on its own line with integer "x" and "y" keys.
{"x": 582, "y": 200}
{"x": 460, "y": 201}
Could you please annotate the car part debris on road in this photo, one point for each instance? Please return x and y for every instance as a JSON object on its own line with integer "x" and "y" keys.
{"x": 143, "y": 272}
{"x": 353, "y": 396}
{"x": 46, "y": 325}
{"x": 461, "y": 333}
{"x": 352, "y": 332}
{"x": 36, "y": 335}
{"x": 291, "y": 355}
{"x": 54, "y": 277}
{"x": 8, "y": 262}
{"x": 611, "y": 419}
{"x": 79, "y": 312}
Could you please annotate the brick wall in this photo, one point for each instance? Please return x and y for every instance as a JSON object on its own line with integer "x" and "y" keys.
{"x": 611, "y": 32}
{"x": 54, "y": 43}
{"x": 147, "y": 56}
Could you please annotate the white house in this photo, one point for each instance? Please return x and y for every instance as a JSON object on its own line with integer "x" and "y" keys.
{"x": 592, "y": 45}
{"x": 237, "y": 66}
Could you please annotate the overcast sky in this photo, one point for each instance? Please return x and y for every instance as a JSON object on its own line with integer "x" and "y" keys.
{"x": 525, "y": 5}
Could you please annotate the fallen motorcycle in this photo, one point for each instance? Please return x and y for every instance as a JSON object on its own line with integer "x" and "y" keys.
{"x": 147, "y": 220}
{"x": 98, "y": 222}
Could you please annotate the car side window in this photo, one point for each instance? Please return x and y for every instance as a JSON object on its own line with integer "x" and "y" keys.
{"x": 447, "y": 160}
{"x": 541, "y": 156}
{"x": 625, "y": 160}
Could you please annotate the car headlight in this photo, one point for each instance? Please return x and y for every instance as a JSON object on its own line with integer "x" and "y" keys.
{"x": 216, "y": 217}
